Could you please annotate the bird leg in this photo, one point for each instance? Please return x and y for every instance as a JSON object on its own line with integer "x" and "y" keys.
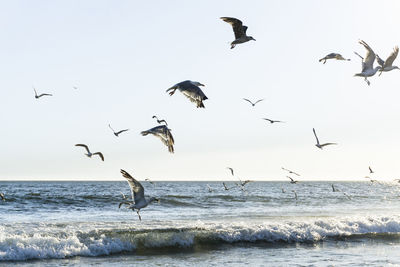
{"x": 140, "y": 218}
{"x": 367, "y": 81}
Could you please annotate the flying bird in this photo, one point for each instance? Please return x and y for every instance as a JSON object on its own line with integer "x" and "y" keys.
{"x": 367, "y": 64}
{"x": 138, "y": 200}
{"x": 334, "y": 189}
{"x": 90, "y": 154}
{"x": 160, "y": 121}
{"x": 191, "y": 90}
{"x": 272, "y": 121}
{"x": 39, "y": 96}
{"x": 387, "y": 64}
{"x": 370, "y": 170}
{"x": 291, "y": 172}
{"x": 253, "y": 104}
{"x": 295, "y": 194}
{"x": 164, "y": 134}
{"x": 210, "y": 190}
{"x": 321, "y": 145}
{"x": 119, "y": 132}
{"x": 239, "y": 30}
{"x": 225, "y": 187}
{"x": 229, "y": 168}
{"x": 292, "y": 181}
{"x": 333, "y": 56}
{"x": 150, "y": 181}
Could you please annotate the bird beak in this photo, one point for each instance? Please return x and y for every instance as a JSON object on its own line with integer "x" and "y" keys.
{"x": 200, "y": 84}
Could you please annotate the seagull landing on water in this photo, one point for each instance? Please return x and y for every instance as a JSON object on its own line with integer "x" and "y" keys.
{"x": 387, "y": 64}
{"x": 272, "y": 121}
{"x": 160, "y": 121}
{"x": 117, "y": 133}
{"x": 367, "y": 64}
{"x": 291, "y": 172}
{"x": 191, "y": 90}
{"x": 239, "y": 30}
{"x": 333, "y": 56}
{"x": 39, "y": 96}
{"x": 320, "y": 146}
{"x": 90, "y": 154}
{"x": 138, "y": 200}
{"x": 253, "y": 103}
{"x": 164, "y": 134}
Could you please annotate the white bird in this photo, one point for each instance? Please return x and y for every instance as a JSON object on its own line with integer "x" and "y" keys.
{"x": 119, "y": 132}
{"x": 321, "y": 145}
{"x": 191, "y": 90}
{"x": 2, "y": 197}
{"x": 333, "y": 56}
{"x": 253, "y": 103}
{"x": 272, "y": 121}
{"x": 291, "y": 172}
{"x": 164, "y": 134}
{"x": 160, "y": 121}
{"x": 39, "y": 96}
{"x": 387, "y": 64}
{"x": 239, "y": 30}
{"x": 150, "y": 181}
{"x": 138, "y": 200}
{"x": 210, "y": 190}
{"x": 368, "y": 69}
{"x": 90, "y": 154}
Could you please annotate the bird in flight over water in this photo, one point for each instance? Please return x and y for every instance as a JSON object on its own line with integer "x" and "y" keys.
{"x": 119, "y": 132}
{"x": 138, "y": 200}
{"x": 272, "y": 121}
{"x": 333, "y": 56}
{"x": 291, "y": 172}
{"x": 239, "y": 30}
{"x": 229, "y": 168}
{"x": 39, "y": 96}
{"x": 164, "y": 134}
{"x": 160, "y": 121}
{"x": 292, "y": 181}
{"x": 367, "y": 64}
{"x": 320, "y": 146}
{"x": 370, "y": 170}
{"x": 90, "y": 154}
{"x": 191, "y": 90}
{"x": 253, "y": 103}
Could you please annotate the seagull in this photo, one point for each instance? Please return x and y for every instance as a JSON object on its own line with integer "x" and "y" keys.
{"x": 370, "y": 170}
{"x": 370, "y": 179}
{"x": 321, "y": 145}
{"x": 387, "y": 64}
{"x": 164, "y": 134}
{"x": 191, "y": 90}
{"x": 2, "y": 197}
{"x": 292, "y": 181}
{"x": 291, "y": 172}
{"x": 39, "y": 96}
{"x": 225, "y": 187}
{"x": 253, "y": 104}
{"x": 283, "y": 190}
{"x": 272, "y": 121}
{"x": 117, "y": 133}
{"x": 210, "y": 190}
{"x": 349, "y": 198}
{"x": 150, "y": 181}
{"x": 90, "y": 154}
{"x": 367, "y": 64}
{"x": 138, "y": 200}
{"x": 229, "y": 168}
{"x": 160, "y": 121}
{"x": 239, "y": 30}
{"x": 333, "y": 56}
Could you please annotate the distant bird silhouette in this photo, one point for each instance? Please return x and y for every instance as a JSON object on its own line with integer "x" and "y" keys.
{"x": 291, "y": 172}
{"x": 119, "y": 132}
{"x": 239, "y": 30}
{"x": 295, "y": 194}
{"x": 334, "y": 189}
{"x": 387, "y": 65}
{"x": 368, "y": 69}
{"x": 150, "y": 181}
{"x": 160, "y": 121}
{"x": 39, "y": 96}
{"x": 226, "y": 187}
{"x": 370, "y": 170}
{"x": 253, "y": 104}
{"x": 333, "y": 56}
{"x": 2, "y": 197}
{"x": 210, "y": 190}
{"x": 229, "y": 168}
{"x": 292, "y": 181}
{"x": 164, "y": 134}
{"x": 138, "y": 200}
{"x": 320, "y": 146}
{"x": 191, "y": 90}
{"x": 90, "y": 154}
{"x": 272, "y": 121}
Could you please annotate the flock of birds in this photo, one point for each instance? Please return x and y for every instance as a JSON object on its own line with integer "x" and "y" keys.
{"x": 192, "y": 90}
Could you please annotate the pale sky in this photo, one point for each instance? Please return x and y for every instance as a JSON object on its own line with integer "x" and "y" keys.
{"x": 123, "y": 55}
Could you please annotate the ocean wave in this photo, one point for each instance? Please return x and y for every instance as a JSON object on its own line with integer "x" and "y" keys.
{"x": 59, "y": 241}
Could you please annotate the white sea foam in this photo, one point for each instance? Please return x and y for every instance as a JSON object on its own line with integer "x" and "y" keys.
{"x": 50, "y": 241}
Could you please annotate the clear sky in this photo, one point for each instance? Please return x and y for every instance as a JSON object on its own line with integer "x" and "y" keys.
{"x": 123, "y": 55}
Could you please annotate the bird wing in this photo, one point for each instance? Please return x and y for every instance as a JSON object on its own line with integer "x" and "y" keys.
{"x": 370, "y": 57}
{"x": 137, "y": 189}
{"x": 109, "y": 125}
{"x": 315, "y": 134}
{"x": 327, "y": 144}
{"x": 238, "y": 29}
{"x": 389, "y": 61}
{"x": 290, "y": 178}
{"x": 100, "y": 155}
{"x": 164, "y": 134}
{"x": 44, "y": 95}
{"x": 248, "y": 101}
{"x": 380, "y": 61}
{"x": 370, "y": 170}
{"x": 258, "y": 101}
{"x": 85, "y": 146}
{"x": 122, "y": 131}
{"x": 230, "y": 170}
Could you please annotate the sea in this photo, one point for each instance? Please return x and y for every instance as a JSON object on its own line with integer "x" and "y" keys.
{"x": 79, "y": 223}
